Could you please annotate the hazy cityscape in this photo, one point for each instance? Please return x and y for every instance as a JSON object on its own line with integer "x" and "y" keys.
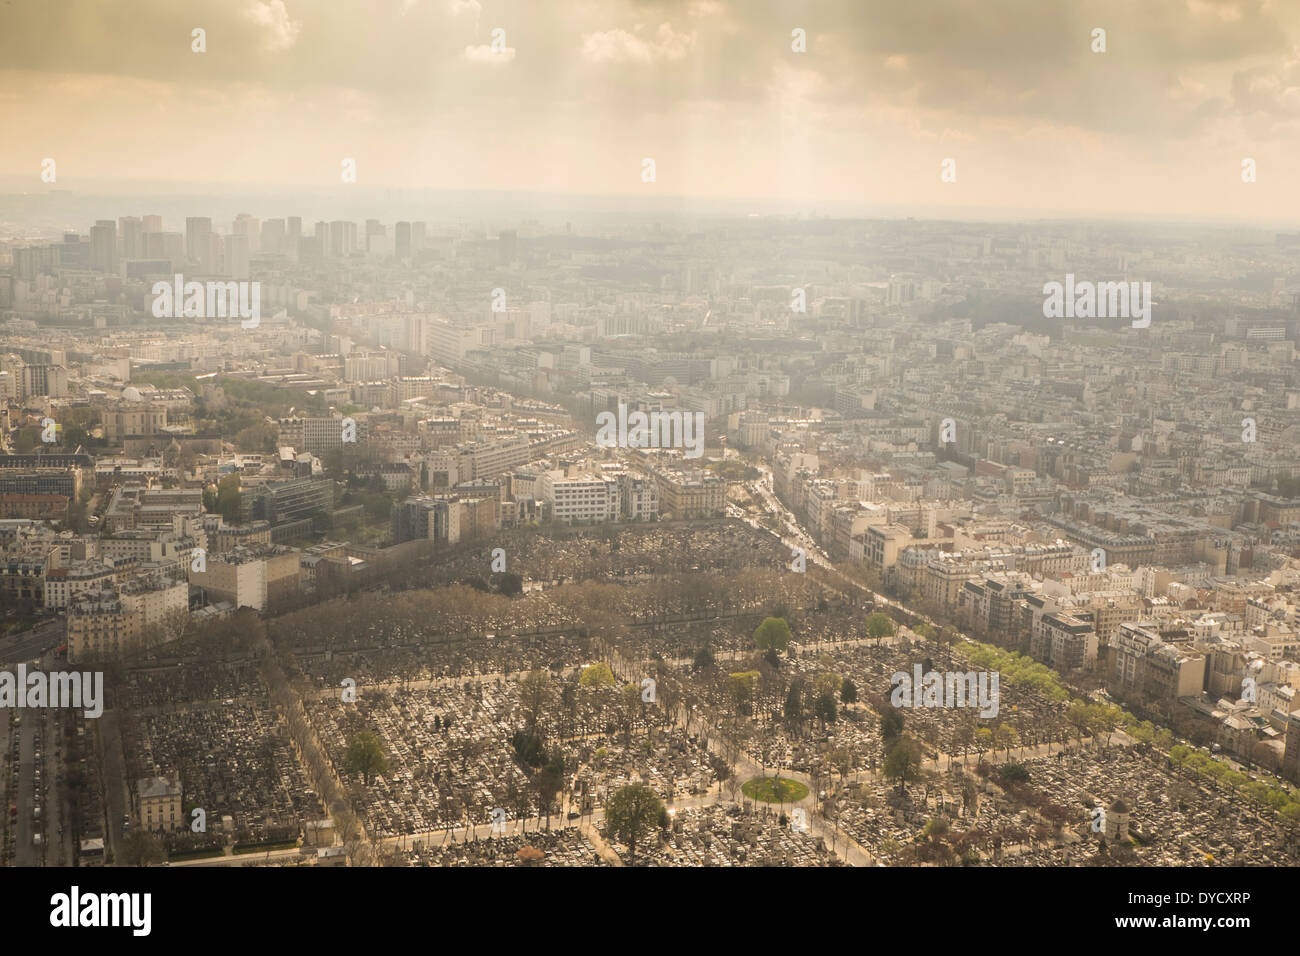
{"x": 505, "y": 518}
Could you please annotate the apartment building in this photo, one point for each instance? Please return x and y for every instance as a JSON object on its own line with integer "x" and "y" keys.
{"x": 1146, "y": 665}
{"x": 41, "y": 481}
{"x": 1063, "y": 641}
{"x": 98, "y": 627}
{"x": 226, "y": 537}
{"x": 49, "y": 380}
{"x": 479, "y": 516}
{"x": 880, "y": 545}
{"x": 491, "y": 457}
{"x": 988, "y": 605}
{"x": 158, "y": 804}
{"x": 691, "y": 495}
{"x": 432, "y": 518}
{"x": 256, "y": 577}
{"x": 145, "y": 610}
{"x": 38, "y": 507}
{"x": 159, "y": 601}
{"x": 64, "y": 584}
{"x": 580, "y": 498}
{"x": 638, "y": 497}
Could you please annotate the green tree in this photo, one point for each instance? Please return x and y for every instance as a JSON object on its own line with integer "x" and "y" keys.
{"x": 226, "y": 500}
{"x": 848, "y": 692}
{"x": 1013, "y": 773}
{"x": 794, "y": 701}
{"x": 365, "y": 756}
{"x": 891, "y": 725}
{"x": 549, "y": 781}
{"x": 879, "y": 626}
{"x": 508, "y": 583}
{"x": 142, "y": 848}
{"x": 903, "y": 763}
{"x": 741, "y": 686}
{"x": 1143, "y": 733}
{"x": 1079, "y": 714}
{"x": 529, "y": 748}
{"x": 703, "y": 659}
{"x": 1256, "y": 790}
{"x": 983, "y": 741}
{"x": 25, "y": 439}
{"x": 827, "y": 683}
{"x": 1006, "y": 737}
{"x": 936, "y": 828}
{"x": 597, "y": 675}
{"x": 536, "y": 694}
{"x": 632, "y": 814}
{"x": 1104, "y": 719}
{"x": 773, "y": 634}
{"x": 825, "y": 709}
{"x": 257, "y": 437}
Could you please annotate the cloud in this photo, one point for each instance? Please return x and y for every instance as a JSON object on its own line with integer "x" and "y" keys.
{"x": 1272, "y": 91}
{"x": 710, "y": 88}
{"x": 619, "y": 46}
{"x": 281, "y": 33}
{"x": 466, "y": 9}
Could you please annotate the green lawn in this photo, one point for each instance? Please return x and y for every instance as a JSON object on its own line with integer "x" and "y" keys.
{"x": 775, "y": 790}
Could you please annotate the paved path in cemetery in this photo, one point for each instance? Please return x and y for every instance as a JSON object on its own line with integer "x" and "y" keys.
{"x": 746, "y": 768}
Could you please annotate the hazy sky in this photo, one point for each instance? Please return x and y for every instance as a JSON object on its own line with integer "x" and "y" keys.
{"x": 710, "y": 89}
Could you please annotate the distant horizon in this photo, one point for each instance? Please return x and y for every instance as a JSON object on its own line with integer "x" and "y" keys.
{"x": 269, "y": 200}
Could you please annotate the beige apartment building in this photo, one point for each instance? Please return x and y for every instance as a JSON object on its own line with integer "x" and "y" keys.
{"x": 158, "y": 803}
{"x": 1146, "y": 665}
{"x": 250, "y": 577}
{"x": 104, "y": 625}
{"x": 691, "y": 495}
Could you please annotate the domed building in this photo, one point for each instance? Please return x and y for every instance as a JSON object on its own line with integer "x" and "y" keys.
{"x": 1117, "y": 821}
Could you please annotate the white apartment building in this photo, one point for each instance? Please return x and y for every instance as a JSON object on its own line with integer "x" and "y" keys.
{"x": 580, "y": 498}
{"x": 64, "y": 584}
